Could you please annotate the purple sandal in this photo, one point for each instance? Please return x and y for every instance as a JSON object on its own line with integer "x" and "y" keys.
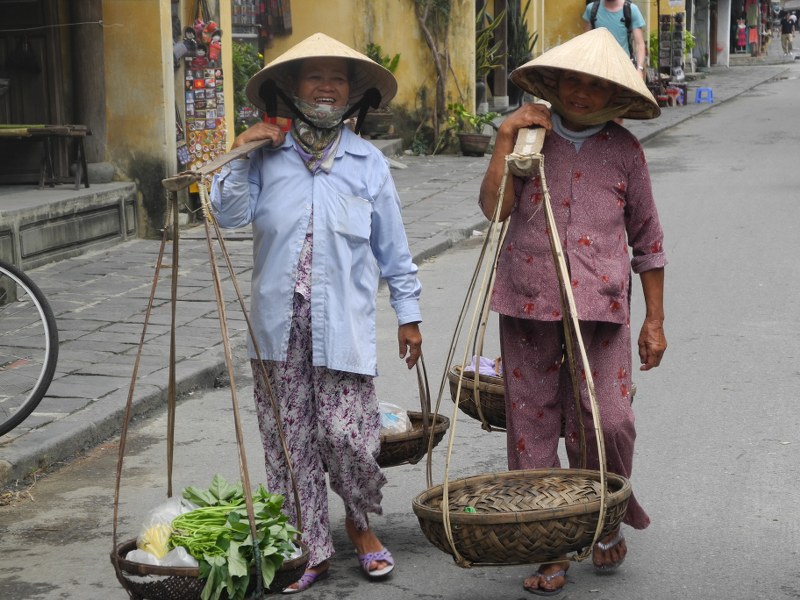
{"x": 306, "y": 581}
{"x": 381, "y": 555}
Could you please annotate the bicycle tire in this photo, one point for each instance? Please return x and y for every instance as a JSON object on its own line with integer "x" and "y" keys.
{"x": 28, "y": 346}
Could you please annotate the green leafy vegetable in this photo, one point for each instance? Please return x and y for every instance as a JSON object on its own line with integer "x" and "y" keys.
{"x": 218, "y": 535}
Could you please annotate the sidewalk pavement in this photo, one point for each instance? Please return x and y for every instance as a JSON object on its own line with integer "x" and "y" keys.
{"x": 100, "y": 299}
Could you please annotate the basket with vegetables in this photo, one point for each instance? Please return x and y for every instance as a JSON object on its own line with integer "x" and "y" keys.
{"x": 215, "y": 531}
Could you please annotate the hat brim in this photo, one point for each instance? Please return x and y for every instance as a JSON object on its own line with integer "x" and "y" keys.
{"x": 365, "y": 73}
{"x": 595, "y": 53}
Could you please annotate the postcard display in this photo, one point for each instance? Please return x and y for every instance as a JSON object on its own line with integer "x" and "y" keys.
{"x": 205, "y": 109}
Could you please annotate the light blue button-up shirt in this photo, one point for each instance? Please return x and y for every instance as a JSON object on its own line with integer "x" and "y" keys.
{"x": 358, "y": 238}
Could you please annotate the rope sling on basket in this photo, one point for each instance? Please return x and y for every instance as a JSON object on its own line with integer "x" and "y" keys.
{"x": 526, "y": 516}
{"x": 154, "y": 582}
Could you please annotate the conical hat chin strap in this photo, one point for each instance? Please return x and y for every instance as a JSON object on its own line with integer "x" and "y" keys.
{"x": 269, "y": 92}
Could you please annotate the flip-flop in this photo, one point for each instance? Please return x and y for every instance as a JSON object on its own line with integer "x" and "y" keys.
{"x": 382, "y": 555}
{"x": 605, "y": 547}
{"x": 308, "y": 579}
{"x": 548, "y": 579}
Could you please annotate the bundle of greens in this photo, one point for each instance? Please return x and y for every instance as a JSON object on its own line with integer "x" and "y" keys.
{"x": 217, "y": 534}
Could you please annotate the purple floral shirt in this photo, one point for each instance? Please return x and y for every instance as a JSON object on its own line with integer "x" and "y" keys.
{"x": 602, "y": 202}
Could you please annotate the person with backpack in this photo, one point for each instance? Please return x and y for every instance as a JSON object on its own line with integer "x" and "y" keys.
{"x": 625, "y": 21}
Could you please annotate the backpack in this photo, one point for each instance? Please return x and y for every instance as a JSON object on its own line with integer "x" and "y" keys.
{"x": 626, "y": 16}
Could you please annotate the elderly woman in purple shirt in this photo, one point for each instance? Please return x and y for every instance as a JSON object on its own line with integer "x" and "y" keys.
{"x": 603, "y": 204}
{"x": 326, "y": 228}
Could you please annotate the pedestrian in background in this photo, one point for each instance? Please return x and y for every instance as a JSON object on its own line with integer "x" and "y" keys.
{"x": 625, "y": 21}
{"x": 787, "y": 33}
{"x": 326, "y": 228}
{"x": 602, "y": 203}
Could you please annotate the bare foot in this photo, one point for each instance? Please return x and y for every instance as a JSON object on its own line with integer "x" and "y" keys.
{"x": 609, "y": 552}
{"x": 365, "y": 542}
{"x": 550, "y": 577}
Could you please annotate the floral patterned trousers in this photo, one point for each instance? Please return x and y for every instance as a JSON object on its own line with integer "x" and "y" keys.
{"x": 538, "y": 387}
{"x": 331, "y": 422}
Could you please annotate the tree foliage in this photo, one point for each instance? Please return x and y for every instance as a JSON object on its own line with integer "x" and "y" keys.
{"x": 247, "y": 61}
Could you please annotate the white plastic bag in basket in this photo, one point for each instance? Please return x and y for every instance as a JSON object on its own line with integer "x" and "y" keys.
{"x": 393, "y": 419}
{"x": 157, "y": 526}
{"x": 177, "y": 557}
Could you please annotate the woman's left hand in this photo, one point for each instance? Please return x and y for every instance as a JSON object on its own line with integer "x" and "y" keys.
{"x": 410, "y": 340}
{"x": 652, "y": 344}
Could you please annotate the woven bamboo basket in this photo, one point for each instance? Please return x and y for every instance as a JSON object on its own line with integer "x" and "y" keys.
{"x": 521, "y": 517}
{"x": 410, "y": 446}
{"x": 491, "y": 396}
{"x": 151, "y": 582}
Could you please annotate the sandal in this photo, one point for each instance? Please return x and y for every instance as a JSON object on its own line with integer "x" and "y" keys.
{"x": 605, "y": 547}
{"x": 548, "y": 578}
{"x": 382, "y": 555}
{"x": 308, "y": 579}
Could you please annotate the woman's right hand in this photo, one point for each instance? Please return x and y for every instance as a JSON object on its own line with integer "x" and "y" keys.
{"x": 528, "y": 115}
{"x": 260, "y": 131}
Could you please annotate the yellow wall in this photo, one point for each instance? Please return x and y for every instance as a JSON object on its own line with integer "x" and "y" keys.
{"x": 561, "y": 22}
{"x": 392, "y": 25}
{"x": 142, "y": 86}
{"x": 138, "y": 91}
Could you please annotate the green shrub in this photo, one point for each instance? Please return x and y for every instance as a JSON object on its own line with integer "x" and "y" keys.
{"x": 247, "y": 61}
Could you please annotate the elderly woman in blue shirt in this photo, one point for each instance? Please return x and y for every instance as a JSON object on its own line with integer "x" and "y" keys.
{"x": 327, "y": 227}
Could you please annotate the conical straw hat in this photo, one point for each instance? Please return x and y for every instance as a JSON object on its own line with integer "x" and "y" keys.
{"x": 596, "y": 53}
{"x": 365, "y": 73}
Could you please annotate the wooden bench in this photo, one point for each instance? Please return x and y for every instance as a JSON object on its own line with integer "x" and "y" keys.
{"x": 47, "y": 134}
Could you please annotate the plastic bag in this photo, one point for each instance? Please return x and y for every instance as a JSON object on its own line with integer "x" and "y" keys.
{"x": 296, "y": 552}
{"x": 393, "y": 419}
{"x": 157, "y": 527}
{"x": 177, "y": 557}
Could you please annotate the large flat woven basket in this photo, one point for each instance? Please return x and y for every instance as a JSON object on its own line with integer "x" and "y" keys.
{"x": 521, "y": 517}
{"x": 491, "y": 395}
{"x": 151, "y": 582}
{"x": 410, "y": 446}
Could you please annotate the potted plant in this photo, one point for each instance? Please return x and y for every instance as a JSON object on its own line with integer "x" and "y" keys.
{"x": 380, "y": 122}
{"x": 520, "y": 44}
{"x": 469, "y": 127}
{"x": 487, "y": 50}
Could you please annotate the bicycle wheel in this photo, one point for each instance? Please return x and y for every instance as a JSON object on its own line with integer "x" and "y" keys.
{"x": 28, "y": 346}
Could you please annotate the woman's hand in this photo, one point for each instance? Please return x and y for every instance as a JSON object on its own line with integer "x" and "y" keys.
{"x": 527, "y": 115}
{"x": 260, "y": 131}
{"x": 652, "y": 344}
{"x": 652, "y": 341}
{"x": 410, "y": 341}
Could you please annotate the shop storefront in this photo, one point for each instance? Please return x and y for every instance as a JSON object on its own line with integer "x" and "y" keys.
{"x": 201, "y": 111}
{"x": 751, "y": 27}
